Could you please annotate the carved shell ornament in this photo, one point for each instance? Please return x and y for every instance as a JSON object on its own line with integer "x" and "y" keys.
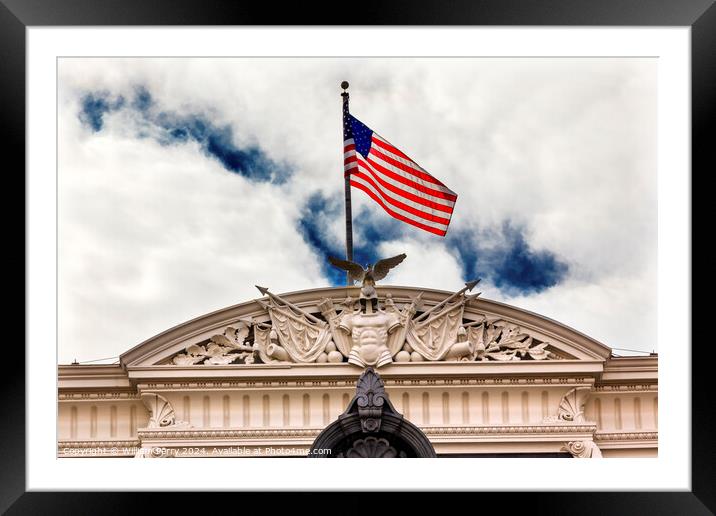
{"x": 571, "y": 408}
{"x": 161, "y": 412}
{"x": 365, "y": 333}
{"x": 372, "y": 447}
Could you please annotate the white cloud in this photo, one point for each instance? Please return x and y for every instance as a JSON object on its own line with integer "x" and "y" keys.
{"x": 153, "y": 235}
{"x": 427, "y": 265}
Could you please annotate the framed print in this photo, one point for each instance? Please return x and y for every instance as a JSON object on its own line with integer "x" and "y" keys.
{"x": 512, "y": 299}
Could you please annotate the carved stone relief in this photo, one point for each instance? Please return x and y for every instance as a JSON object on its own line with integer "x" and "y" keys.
{"x": 367, "y": 334}
{"x": 225, "y": 348}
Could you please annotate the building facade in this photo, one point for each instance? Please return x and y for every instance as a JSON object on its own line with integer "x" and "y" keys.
{"x": 265, "y": 377}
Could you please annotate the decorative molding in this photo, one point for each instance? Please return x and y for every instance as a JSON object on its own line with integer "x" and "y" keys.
{"x": 652, "y": 387}
{"x": 627, "y": 436}
{"x": 513, "y": 429}
{"x": 339, "y": 382}
{"x": 227, "y": 434}
{"x": 166, "y": 433}
{"x": 98, "y": 444}
{"x": 585, "y": 449}
{"x": 81, "y": 396}
{"x": 87, "y": 449}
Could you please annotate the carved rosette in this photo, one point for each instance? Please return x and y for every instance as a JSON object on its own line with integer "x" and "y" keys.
{"x": 583, "y": 449}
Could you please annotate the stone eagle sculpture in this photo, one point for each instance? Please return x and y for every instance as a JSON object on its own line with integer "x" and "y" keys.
{"x": 368, "y": 275}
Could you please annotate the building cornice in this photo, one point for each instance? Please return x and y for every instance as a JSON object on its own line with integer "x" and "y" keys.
{"x": 112, "y": 382}
{"x": 106, "y": 376}
{"x": 633, "y": 369}
{"x": 397, "y": 371}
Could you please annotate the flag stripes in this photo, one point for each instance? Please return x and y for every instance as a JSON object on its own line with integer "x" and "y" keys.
{"x": 399, "y": 185}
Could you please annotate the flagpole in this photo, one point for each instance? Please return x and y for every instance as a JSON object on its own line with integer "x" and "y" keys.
{"x": 347, "y": 184}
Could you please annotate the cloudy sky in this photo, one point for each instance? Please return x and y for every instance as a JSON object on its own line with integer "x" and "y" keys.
{"x": 185, "y": 182}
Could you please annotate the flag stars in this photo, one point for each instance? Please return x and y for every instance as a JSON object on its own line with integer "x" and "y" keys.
{"x": 361, "y": 134}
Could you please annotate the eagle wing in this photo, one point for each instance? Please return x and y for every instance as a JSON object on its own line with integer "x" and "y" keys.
{"x": 381, "y": 268}
{"x": 357, "y": 273}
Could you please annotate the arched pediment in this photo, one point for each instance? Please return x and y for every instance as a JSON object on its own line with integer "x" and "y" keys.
{"x": 320, "y": 326}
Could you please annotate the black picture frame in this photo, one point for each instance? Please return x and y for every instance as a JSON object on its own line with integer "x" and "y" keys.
{"x": 700, "y": 15}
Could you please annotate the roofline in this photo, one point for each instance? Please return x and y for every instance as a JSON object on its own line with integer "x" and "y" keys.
{"x": 620, "y": 369}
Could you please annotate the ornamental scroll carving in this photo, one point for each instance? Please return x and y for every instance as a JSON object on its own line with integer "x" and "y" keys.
{"x": 367, "y": 334}
{"x": 586, "y": 449}
{"x": 370, "y": 399}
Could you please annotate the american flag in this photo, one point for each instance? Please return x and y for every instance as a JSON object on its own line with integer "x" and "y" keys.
{"x": 402, "y": 187}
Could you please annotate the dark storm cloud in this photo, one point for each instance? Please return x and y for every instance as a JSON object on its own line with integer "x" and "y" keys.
{"x": 500, "y": 255}
{"x": 171, "y": 128}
